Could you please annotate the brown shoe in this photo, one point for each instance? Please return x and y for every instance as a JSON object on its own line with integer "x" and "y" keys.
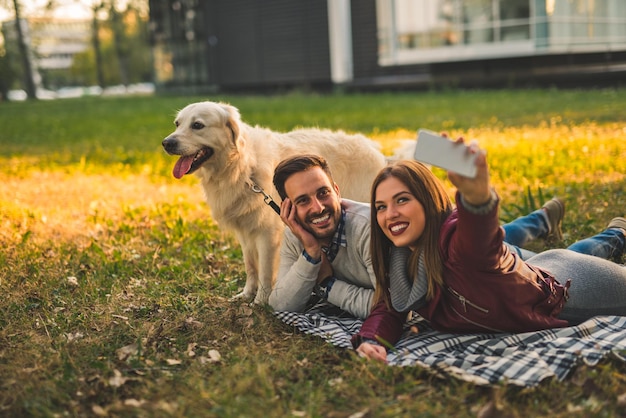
{"x": 555, "y": 209}
{"x": 618, "y": 222}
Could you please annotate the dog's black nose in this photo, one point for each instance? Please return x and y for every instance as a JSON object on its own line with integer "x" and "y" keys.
{"x": 169, "y": 144}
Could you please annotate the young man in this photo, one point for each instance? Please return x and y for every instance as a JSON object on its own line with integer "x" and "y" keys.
{"x": 326, "y": 245}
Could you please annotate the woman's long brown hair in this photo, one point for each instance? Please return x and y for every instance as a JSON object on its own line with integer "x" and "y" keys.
{"x": 429, "y": 191}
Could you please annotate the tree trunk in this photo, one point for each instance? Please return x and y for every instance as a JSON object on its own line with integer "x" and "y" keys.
{"x": 96, "y": 48}
{"x": 29, "y": 81}
{"x": 121, "y": 48}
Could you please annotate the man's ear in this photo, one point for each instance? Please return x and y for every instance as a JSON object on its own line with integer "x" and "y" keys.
{"x": 336, "y": 187}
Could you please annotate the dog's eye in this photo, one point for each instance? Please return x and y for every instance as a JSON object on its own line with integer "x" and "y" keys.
{"x": 176, "y": 123}
{"x": 197, "y": 125}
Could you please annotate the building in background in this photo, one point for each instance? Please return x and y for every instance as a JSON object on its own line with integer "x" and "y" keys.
{"x": 56, "y": 41}
{"x": 488, "y": 42}
{"x": 239, "y": 44}
{"x": 247, "y": 44}
{"x": 52, "y": 42}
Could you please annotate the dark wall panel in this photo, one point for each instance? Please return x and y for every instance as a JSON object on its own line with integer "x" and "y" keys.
{"x": 237, "y": 49}
{"x": 244, "y": 43}
{"x": 364, "y": 39}
{"x": 295, "y": 41}
{"x": 274, "y": 42}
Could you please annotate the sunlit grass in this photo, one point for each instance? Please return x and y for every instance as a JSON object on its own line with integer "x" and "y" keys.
{"x": 116, "y": 280}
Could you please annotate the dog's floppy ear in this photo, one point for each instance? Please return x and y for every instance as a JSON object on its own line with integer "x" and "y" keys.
{"x": 233, "y": 120}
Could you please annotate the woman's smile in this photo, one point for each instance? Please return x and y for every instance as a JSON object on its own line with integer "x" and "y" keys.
{"x": 397, "y": 228}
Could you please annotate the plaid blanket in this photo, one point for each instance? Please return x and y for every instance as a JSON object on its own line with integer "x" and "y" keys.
{"x": 520, "y": 359}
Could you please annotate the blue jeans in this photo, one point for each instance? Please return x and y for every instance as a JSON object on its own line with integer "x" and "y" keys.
{"x": 607, "y": 244}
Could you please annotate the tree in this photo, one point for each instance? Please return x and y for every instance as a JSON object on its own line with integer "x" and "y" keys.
{"x": 132, "y": 44}
{"x": 96, "y": 43}
{"x": 120, "y": 50}
{"x": 6, "y": 74}
{"x": 121, "y": 44}
{"x": 29, "y": 81}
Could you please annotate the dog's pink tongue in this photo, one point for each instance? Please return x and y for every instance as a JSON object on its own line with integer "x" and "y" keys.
{"x": 182, "y": 166}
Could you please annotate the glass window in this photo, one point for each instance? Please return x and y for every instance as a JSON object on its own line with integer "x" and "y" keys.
{"x": 514, "y": 20}
{"x": 477, "y": 17}
{"x": 418, "y": 31}
{"x": 410, "y": 28}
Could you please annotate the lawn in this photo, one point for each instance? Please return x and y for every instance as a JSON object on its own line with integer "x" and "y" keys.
{"x": 116, "y": 281}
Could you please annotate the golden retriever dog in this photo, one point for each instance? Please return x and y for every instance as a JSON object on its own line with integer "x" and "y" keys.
{"x": 231, "y": 157}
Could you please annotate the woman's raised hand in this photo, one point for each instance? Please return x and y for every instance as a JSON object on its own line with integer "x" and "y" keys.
{"x": 476, "y": 191}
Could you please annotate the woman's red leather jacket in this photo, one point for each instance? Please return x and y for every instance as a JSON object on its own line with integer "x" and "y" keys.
{"x": 487, "y": 288}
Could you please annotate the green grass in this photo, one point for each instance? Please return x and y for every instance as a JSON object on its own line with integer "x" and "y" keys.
{"x": 115, "y": 280}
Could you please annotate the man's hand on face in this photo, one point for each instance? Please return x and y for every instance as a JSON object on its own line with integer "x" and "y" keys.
{"x": 310, "y": 243}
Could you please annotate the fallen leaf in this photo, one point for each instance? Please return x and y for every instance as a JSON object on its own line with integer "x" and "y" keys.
{"x": 193, "y": 323}
{"x": 99, "y": 411}
{"x": 173, "y": 361}
{"x": 169, "y": 407}
{"x": 117, "y": 380}
{"x": 127, "y": 351}
{"x": 134, "y": 402}
{"x": 73, "y": 336}
{"x": 214, "y": 355}
{"x": 360, "y": 414}
{"x": 190, "y": 349}
{"x": 488, "y": 410}
{"x": 571, "y": 408}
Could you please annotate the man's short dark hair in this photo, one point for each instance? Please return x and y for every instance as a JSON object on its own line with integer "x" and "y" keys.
{"x": 297, "y": 164}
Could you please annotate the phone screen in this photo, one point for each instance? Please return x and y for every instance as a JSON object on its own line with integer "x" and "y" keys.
{"x": 440, "y": 151}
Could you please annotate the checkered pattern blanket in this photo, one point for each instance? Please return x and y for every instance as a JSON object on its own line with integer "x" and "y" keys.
{"x": 520, "y": 359}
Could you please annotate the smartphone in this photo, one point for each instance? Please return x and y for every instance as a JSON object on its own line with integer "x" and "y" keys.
{"x": 437, "y": 150}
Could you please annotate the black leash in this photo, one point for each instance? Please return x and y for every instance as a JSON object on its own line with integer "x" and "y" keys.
{"x": 266, "y": 198}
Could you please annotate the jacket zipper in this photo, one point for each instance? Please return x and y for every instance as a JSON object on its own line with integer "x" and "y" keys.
{"x": 466, "y": 302}
{"x": 476, "y": 323}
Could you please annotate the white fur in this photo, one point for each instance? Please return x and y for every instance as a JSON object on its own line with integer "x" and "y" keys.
{"x": 243, "y": 152}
